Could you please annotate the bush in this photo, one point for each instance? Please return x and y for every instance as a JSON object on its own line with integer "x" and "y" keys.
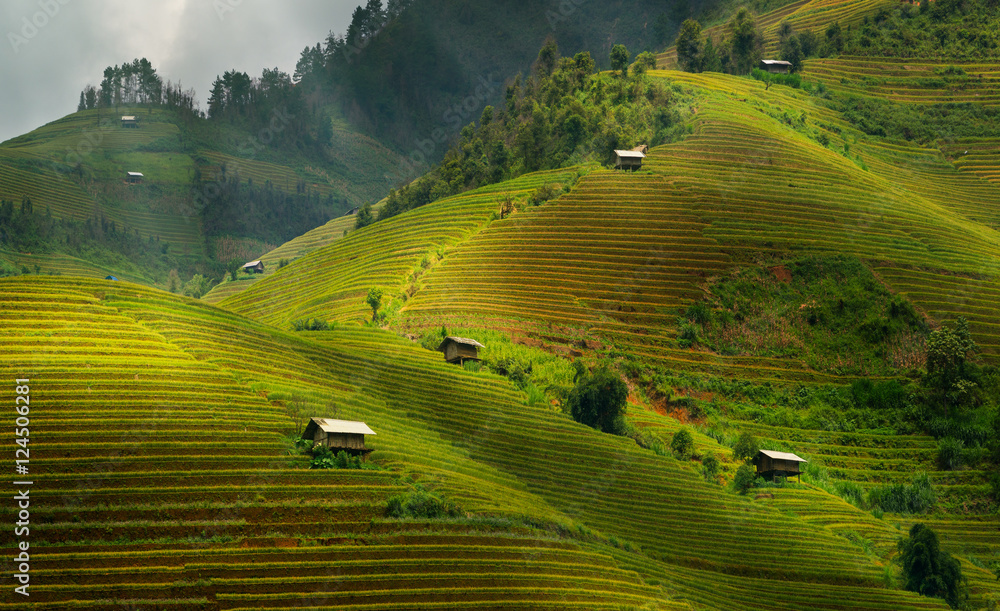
{"x": 311, "y": 324}
{"x": 598, "y": 400}
{"x": 420, "y": 504}
{"x": 928, "y": 570}
{"x": 323, "y": 458}
{"x": 951, "y": 453}
{"x": 851, "y": 492}
{"x": 745, "y": 479}
{"x": 918, "y": 497}
{"x": 682, "y": 444}
{"x": 689, "y": 335}
{"x": 710, "y": 467}
{"x": 746, "y": 447}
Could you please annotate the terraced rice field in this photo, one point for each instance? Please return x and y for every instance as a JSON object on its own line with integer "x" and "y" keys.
{"x": 802, "y": 15}
{"x": 296, "y": 248}
{"x": 136, "y": 499}
{"x": 979, "y": 156}
{"x": 382, "y": 255}
{"x": 908, "y": 80}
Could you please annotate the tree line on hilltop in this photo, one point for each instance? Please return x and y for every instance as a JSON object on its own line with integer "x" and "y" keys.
{"x": 563, "y": 113}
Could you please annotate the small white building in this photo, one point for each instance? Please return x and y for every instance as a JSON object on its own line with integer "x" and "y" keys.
{"x": 129, "y": 121}
{"x": 133, "y": 178}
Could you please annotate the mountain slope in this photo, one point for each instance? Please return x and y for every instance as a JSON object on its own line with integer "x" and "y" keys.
{"x": 73, "y": 170}
{"x": 126, "y": 481}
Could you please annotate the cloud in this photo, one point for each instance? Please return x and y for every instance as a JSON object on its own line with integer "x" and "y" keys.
{"x": 52, "y": 49}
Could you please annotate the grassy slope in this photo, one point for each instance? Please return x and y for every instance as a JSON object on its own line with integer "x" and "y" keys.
{"x": 167, "y": 151}
{"x": 132, "y": 485}
{"x": 611, "y": 262}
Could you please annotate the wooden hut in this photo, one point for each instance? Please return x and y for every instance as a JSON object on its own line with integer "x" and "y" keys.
{"x": 256, "y": 267}
{"x": 628, "y": 160}
{"x": 347, "y": 435}
{"x": 460, "y": 349}
{"x": 129, "y": 121}
{"x": 778, "y": 464}
{"x": 133, "y": 178}
{"x": 776, "y": 66}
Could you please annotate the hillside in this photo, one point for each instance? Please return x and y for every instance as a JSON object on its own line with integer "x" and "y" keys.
{"x": 88, "y": 221}
{"x": 806, "y": 269}
{"x": 137, "y": 491}
{"x": 770, "y": 179}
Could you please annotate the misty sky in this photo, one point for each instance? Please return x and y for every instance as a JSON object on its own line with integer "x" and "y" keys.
{"x": 43, "y": 69}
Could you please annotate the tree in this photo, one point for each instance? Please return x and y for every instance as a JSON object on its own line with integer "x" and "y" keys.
{"x": 947, "y": 351}
{"x": 791, "y": 51}
{"x": 374, "y": 301}
{"x": 598, "y": 400}
{"x": 233, "y": 267}
{"x": 548, "y": 55}
{"x": 710, "y": 466}
{"x": 710, "y": 57}
{"x": 928, "y": 570}
{"x": 689, "y": 46}
{"x": 744, "y": 479}
{"x": 619, "y": 58}
{"x": 365, "y": 217}
{"x": 173, "y": 281}
{"x": 746, "y": 41}
{"x": 746, "y": 447}
{"x": 682, "y": 444}
{"x": 643, "y": 62}
{"x": 83, "y": 102}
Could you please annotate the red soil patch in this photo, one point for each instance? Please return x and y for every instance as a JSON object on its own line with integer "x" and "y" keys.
{"x": 781, "y": 273}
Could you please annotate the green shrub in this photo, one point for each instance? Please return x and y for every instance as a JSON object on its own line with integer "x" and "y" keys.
{"x": 745, "y": 479}
{"x": 710, "y": 467}
{"x": 928, "y": 570}
{"x": 690, "y": 334}
{"x": 851, "y": 492}
{"x": 598, "y": 400}
{"x": 951, "y": 453}
{"x": 682, "y": 444}
{"x": 419, "y": 503}
{"x": 311, "y": 324}
{"x": 323, "y": 458}
{"x": 746, "y": 447}
{"x": 917, "y": 497}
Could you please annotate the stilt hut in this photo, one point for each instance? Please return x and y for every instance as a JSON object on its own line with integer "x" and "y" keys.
{"x": 778, "y": 464}
{"x": 346, "y": 435}
{"x": 460, "y": 349}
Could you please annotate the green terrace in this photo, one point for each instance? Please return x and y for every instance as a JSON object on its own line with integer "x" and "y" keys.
{"x": 224, "y": 510}
{"x": 909, "y": 80}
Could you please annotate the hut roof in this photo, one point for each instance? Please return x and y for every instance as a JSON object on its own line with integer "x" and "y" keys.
{"x": 782, "y": 455}
{"x": 459, "y": 340}
{"x": 629, "y": 154}
{"x": 252, "y": 263}
{"x": 330, "y": 425}
{"x": 139, "y": 174}
{"x": 775, "y": 62}
{"x": 128, "y": 117}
